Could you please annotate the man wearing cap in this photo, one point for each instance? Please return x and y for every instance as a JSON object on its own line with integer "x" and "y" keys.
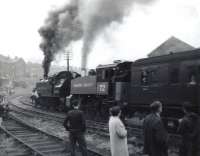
{"x": 189, "y": 129}
{"x": 155, "y": 135}
{"x": 75, "y": 124}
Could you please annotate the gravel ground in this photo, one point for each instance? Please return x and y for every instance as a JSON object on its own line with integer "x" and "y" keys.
{"x": 100, "y": 142}
{"x": 7, "y": 145}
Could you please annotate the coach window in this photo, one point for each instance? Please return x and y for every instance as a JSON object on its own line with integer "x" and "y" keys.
{"x": 193, "y": 80}
{"x": 144, "y": 77}
{"x": 153, "y": 76}
{"x": 192, "y": 76}
{"x": 198, "y": 74}
{"x": 174, "y": 75}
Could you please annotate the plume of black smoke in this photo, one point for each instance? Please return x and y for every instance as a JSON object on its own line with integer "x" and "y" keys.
{"x": 81, "y": 19}
{"x": 61, "y": 28}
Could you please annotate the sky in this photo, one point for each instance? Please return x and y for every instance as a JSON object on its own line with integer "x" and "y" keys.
{"x": 144, "y": 29}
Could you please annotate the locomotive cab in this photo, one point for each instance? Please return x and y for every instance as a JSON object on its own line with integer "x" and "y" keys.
{"x": 102, "y": 89}
{"x": 105, "y": 74}
{"x": 113, "y": 79}
{"x": 113, "y": 83}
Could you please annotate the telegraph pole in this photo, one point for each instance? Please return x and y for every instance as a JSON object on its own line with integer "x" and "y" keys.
{"x": 68, "y": 56}
{"x": 68, "y": 63}
{"x": 69, "y": 51}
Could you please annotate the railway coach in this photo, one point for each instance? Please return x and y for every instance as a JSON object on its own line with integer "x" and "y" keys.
{"x": 172, "y": 79}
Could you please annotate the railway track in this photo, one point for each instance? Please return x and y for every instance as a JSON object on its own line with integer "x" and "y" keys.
{"x": 36, "y": 113}
{"x": 18, "y": 148}
{"x": 99, "y": 128}
{"x": 36, "y": 142}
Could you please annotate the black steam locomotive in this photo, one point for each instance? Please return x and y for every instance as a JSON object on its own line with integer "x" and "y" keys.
{"x": 52, "y": 92}
{"x": 172, "y": 79}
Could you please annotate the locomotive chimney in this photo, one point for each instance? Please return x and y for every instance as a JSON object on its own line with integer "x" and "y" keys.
{"x": 45, "y": 76}
{"x": 83, "y": 71}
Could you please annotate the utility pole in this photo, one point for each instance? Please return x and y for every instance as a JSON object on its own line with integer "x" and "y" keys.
{"x": 69, "y": 51}
{"x": 68, "y": 56}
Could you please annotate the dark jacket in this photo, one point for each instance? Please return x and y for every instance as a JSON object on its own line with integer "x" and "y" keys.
{"x": 1, "y": 110}
{"x": 75, "y": 121}
{"x": 155, "y": 136}
{"x": 189, "y": 129}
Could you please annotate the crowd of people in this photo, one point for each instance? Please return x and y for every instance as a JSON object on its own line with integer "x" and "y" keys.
{"x": 156, "y": 137}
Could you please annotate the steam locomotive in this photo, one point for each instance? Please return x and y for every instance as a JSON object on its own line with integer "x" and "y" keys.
{"x": 172, "y": 79}
{"x": 53, "y": 91}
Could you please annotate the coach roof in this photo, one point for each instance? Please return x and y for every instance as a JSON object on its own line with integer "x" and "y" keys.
{"x": 185, "y": 55}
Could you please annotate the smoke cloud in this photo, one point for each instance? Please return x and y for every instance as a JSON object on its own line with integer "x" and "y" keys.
{"x": 81, "y": 20}
{"x": 60, "y": 29}
{"x": 104, "y": 13}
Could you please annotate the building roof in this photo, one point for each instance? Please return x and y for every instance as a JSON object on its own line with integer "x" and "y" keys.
{"x": 7, "y": 59}
{"x": 4, "y": 59}
{"x": 172, "y": 45}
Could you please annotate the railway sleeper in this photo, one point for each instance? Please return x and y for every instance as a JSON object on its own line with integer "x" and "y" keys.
{"x": 26, "y": 135}
{"x": 36, "y": 143}
{"x": 14, "y": 152}
{"x": 47, "y": 147}
{"x": 27, "y": 140}
{"x": 50, "y": 151}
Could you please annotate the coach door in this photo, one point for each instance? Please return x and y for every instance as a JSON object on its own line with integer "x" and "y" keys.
{"x": 190, "y": 91}
{"x": 174, "y": 85}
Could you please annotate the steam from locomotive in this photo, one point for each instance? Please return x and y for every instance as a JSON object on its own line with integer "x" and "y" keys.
{"x": 61, "y": 27}
{"x": 101, "y": 16}
{"x": 80, "y": 20}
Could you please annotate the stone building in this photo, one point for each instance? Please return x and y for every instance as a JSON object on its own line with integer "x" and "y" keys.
{"x": 12, "y": 68}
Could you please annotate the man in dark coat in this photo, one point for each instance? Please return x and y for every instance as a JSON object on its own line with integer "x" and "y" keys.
{"x": 155, "y": 135}
{"x": 189, "y": 129}
{"x": 75, "y": 124}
